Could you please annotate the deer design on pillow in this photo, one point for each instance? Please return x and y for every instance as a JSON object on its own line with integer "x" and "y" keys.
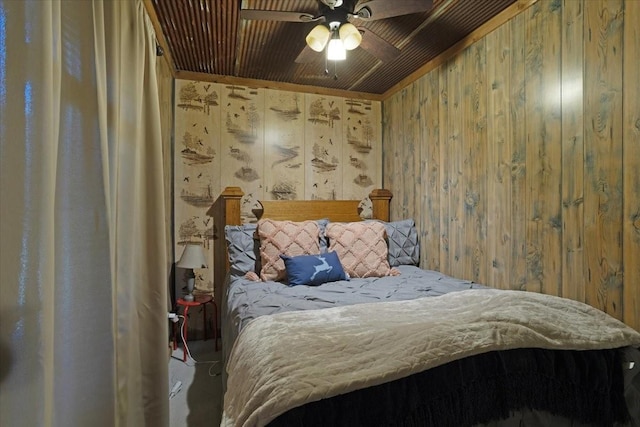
{"x": 322, "y": 267}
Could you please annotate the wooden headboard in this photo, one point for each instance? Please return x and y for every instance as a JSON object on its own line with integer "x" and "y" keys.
{"x": 226, "y": 211}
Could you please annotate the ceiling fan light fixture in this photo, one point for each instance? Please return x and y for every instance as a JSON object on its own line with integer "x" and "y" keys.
{"x": 318, "y": 37}
{"x": 336, "y": 50}
{"x": 350, "y": 36}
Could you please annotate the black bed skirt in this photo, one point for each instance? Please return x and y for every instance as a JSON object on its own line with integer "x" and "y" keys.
{"x": 585, "y": 386}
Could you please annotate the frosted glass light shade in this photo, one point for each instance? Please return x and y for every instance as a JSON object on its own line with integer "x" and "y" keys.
{"x": 318, "y": 37}
{"x": 336, "y": 50}
{"x": 350, "y": 36}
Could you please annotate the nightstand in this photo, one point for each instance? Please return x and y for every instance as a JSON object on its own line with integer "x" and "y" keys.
{"x": 199, "y": 300}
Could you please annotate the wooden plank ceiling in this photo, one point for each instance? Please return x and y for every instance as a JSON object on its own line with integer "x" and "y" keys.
{"x": 209, "y": 37}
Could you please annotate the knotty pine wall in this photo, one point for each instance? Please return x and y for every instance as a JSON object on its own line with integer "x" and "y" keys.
{"x": 519, "y": 158}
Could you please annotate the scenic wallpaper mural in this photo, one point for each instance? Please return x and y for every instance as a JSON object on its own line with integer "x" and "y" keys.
{"x": 274, "y": 145}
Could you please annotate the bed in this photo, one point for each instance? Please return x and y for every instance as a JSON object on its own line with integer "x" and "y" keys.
{"x": 403, "y": 346}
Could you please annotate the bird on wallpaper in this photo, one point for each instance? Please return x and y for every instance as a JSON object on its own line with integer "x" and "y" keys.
{"x": 242, "y": 108}
{"x": 236, "y": 115}
{"x": 206, "y": 131}
{"x": 186, "y": 178}
{"x": 326, "y": 181}
{"x": 315, "y": 184}
{"x": 330, "y": 141}
{"x": 331, "y": 104}
{"x": 206, "y": 88}
{"x": 206, "y": 221}
{"x": 229, "y": 104}
{"x": 200, "y": 174}
{"x": 194, "y": 125}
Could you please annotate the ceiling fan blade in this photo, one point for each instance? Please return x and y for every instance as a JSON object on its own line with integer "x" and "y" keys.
{"x": 377, "y": 46}
{"x": 278, "y": 15}
{"x": 381, "y": 9}
{"x": 306, "y": 56}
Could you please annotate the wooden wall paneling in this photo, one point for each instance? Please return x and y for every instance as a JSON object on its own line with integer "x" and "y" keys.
{"x": 388, "y": 143}
{"x": 573, "y": 266}
{"x": 498, "y": 176}
{"x": 631, "y": 165}
{"x": 396, "y": 132}
{"x": 572, "y": 149}
{"x": 428, "y": 216}
{"x": 603, "y": 153}
{"x": 445, "y": 169}
{"x": 323, "y": 147}
{"x": 284, "y": 145}
{"x": 474, "y": 171}
{"x": 455, "y": 151}
{"x": 518, "y": 148}
{"x": 362, "y": 147}
{"x": 410, "y": 151}
{"x": 242, "y": 136}
{"x": 543, "y": 100}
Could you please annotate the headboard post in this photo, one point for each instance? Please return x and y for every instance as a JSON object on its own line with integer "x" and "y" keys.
{"x": 225, "y": 210}
{"x": 380, "y": 201}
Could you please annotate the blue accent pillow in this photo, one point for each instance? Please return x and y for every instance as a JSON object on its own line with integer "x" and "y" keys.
{"x": 313, "y": 270}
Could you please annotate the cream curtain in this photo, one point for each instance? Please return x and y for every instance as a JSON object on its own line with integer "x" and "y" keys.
{"x": 83, "y": 296}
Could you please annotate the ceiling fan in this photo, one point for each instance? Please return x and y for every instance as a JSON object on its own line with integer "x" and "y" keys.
{"x": 336, "y": 30}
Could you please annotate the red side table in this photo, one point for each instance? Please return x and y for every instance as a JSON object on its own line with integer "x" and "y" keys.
{"x": 199, "y": 300}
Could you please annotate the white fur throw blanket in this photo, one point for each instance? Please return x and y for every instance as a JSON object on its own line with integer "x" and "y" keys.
{"x": 285, "y": 360}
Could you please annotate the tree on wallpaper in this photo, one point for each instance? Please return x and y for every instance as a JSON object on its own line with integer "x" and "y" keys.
{"x": 189, "y": 94}
{"x": 195, "y": 151}
{"x": 318, "y": 114}
{"x": 188, "y": 230}
{"x": 246, "y": 173}
{"x": 321, "y": 160}
{"x": 210, "y": 99}
{"x": 362, "y": 179}
{"x": 360, "y": 143}
{"x": 234, "y": 128}
{"x": 288, "y": 114}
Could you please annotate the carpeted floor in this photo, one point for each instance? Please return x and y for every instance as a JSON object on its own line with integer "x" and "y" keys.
{"x": 198, "y": 403}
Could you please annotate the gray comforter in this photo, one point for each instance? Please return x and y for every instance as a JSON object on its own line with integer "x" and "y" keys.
{"x": 247, "y": 300}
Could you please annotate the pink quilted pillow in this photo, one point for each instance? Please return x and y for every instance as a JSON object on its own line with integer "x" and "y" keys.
{"x": 285, "y": 238}
{"x": 361, "y": 247}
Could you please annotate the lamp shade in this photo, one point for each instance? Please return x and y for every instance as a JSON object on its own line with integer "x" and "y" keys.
{"x": 318, "y": 37}
{"x": 350, "y": 36}
{"x": 192, "y": 257}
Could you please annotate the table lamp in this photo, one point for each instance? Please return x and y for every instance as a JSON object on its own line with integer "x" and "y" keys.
{"x": 192, "y": 257}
